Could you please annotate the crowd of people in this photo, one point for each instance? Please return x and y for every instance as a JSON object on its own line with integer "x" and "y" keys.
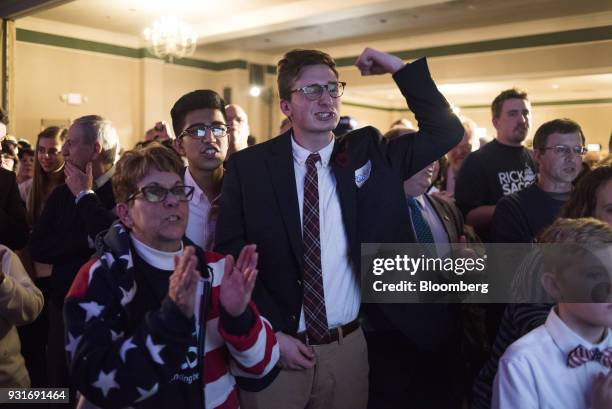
{"x": 202, "y": 270}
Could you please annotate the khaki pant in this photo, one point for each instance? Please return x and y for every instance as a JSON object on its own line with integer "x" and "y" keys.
{"x": 339, "y": 380}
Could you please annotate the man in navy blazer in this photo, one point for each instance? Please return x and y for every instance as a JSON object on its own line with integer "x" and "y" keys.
{"x": 360, "y": 199}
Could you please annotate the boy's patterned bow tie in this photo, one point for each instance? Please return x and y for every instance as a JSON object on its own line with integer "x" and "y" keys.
{"x": 580, "y": 355}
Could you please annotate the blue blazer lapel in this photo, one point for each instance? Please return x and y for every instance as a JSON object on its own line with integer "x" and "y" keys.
{"x": 282, "y": 176}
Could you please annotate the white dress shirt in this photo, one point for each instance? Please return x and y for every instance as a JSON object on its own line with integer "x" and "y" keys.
{"x": 202, "y": 216}
{"x": 340, "y": 286}
{"x": 533, "y": 372}
{"x": 103, "y": 178}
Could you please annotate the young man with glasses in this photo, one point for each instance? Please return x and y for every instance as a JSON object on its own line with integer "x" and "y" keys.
{"x": 308, "y": 200}
{"x": 153, "y": 321}
{"x": 558, "y": 149}
{"x": 200, "y": 122}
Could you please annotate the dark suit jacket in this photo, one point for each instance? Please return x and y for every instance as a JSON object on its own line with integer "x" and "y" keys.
{"x": 13, "y": 225}
{"x": 452, "y": 219}
{"x": 429, "y": 326}
{"x": 259, "y": 202}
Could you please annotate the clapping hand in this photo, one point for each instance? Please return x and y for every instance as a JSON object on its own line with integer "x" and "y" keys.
{"x": 238, "y": 281}
{"x": 184, "y": 281}
{"x": 373, "y": 62}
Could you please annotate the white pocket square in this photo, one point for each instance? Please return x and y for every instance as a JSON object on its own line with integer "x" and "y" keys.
{"x": 363, "y": 173}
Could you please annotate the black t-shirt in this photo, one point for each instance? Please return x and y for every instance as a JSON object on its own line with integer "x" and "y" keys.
{"x": 521, "y": 216}
{"x": 493, "y": 171}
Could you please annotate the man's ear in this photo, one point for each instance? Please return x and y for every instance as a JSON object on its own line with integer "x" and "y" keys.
{"x": 97, "y": 150}
{"x": 285, "y": 107}
{"x": 123, "y": 212}
{"x": 178, "y": 143}
{"x": 537, "y": 155}
{"x": 550, "y": 284}
{"x": 495, "y": 122}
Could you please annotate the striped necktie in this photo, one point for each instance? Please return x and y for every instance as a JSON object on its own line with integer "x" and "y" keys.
{"x": 315, "y": 313}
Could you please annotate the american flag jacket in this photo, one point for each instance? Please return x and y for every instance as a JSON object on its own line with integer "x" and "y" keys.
{"x": 120, "y": 356}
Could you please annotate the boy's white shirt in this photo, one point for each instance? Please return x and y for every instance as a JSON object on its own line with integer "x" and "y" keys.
{"x": 533, "y": 372}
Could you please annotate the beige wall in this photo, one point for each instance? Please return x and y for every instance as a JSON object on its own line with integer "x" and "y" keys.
{"x": 42, "y": 74}
{"x": 133, "y": 93}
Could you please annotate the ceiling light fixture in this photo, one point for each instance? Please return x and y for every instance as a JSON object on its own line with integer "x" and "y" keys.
{"x": 169, "y": 38}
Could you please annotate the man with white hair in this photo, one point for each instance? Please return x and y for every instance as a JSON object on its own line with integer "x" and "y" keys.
{"x": 72, "y": 218}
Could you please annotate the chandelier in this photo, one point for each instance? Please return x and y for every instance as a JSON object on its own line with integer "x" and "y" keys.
{"x": 169, "y": 38}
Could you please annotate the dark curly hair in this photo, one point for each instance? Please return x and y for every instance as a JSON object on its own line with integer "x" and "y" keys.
{"x": 583, "y": 199}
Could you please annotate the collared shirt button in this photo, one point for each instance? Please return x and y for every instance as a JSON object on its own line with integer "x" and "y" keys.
{"x": 293, "y": 318}
{"x": 299, "y": 282}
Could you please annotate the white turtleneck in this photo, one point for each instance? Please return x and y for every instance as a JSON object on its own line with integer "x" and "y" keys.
{"x": 163, "y": 260}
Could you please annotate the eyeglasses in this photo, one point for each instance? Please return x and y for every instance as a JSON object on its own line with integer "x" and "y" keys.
{"x": 199, "y": 131}
{"x": 314, "y": 91}
{"x": 156, "y": 194}
{"x": 565, "y": 150}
